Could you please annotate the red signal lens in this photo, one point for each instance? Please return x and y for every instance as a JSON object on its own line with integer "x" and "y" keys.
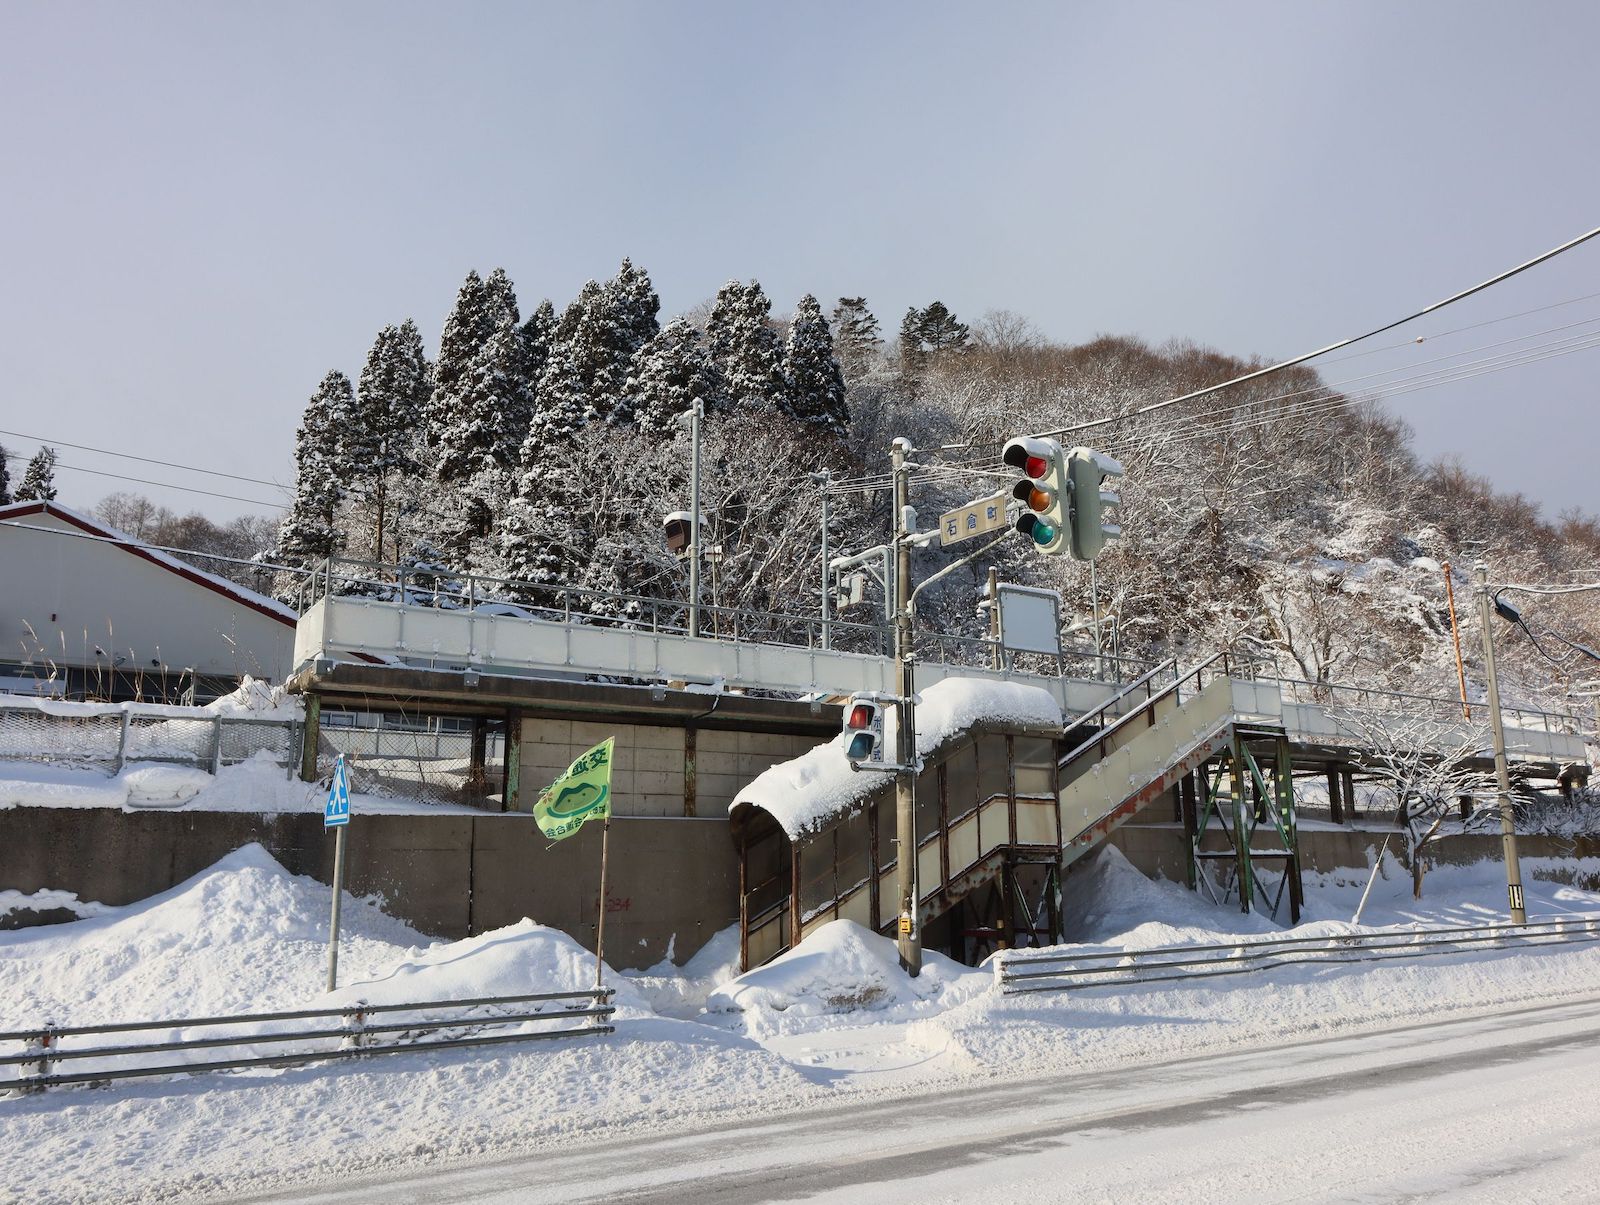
{"x": 1036, "y": 466}
{"x": 860, "y": 716}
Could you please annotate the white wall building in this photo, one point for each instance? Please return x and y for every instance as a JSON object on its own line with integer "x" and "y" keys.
{"x": 84, "y": 610}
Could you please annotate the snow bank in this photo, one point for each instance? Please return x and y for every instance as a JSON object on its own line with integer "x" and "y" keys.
{"x": 244, "y": 935}
{"x": 804, "y": 793}
{"x": 520, "y": 959}
{"x": 675, "y": 991}
{"x": 258, "y": 700}
{"x": 48, "y": 899}
{"x": 842, "y": 968}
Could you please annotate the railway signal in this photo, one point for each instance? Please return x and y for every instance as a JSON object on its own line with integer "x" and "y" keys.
{"x": 863, "y": 722}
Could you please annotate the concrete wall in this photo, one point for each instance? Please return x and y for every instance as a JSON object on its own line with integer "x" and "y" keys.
{"x": 449, "y": 876}
{"x": 650, "y": 774}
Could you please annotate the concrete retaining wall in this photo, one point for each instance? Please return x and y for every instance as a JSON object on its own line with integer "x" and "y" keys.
{"x": 449, "y": 876}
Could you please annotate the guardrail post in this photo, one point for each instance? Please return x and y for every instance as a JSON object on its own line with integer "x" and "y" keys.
{"x": 355, "y": 1024}
{"x": 216, "y": 745}
{"x": 31, "y": 1075}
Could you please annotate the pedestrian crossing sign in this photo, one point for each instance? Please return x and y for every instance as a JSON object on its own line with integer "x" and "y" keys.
{"x": 337, "y": 810}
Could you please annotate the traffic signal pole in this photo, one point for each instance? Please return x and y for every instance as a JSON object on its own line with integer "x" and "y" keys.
{"x": 908, "y": 930}
{"x": 1508, "y": 832}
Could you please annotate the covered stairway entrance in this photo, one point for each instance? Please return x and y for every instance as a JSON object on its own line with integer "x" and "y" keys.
{"x": 1001, "y": 813}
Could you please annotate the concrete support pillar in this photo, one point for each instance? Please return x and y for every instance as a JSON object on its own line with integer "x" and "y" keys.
{"x": 1335, "y": 795}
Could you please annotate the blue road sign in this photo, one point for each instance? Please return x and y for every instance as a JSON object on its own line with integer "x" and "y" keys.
{"x": 337, "y": 810}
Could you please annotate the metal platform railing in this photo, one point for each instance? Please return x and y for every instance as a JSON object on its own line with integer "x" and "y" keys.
{"x": 1066, "y": 972}
{"x": 429, "y": 1025}
{"x": 351, "y": 578}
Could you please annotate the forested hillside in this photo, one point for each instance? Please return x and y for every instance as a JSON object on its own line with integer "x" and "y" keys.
{"x": 1278, "y": 518}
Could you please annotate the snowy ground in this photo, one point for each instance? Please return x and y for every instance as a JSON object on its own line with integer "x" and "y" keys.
{"x": 831, "y": 1025}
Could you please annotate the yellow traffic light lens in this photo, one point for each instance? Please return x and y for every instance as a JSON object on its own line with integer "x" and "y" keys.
{"x": 1038, "y": 500}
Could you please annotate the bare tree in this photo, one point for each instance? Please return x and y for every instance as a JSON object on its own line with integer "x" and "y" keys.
{"x": 1432, "y": 767}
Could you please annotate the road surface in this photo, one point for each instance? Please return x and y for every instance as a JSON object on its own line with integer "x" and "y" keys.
{"x": 1489, "y": 1108}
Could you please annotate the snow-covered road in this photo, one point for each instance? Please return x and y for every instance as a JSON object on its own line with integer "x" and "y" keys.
{"x": 1492, "y": 1107}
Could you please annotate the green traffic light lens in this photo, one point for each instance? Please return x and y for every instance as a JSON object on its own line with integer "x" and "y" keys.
{"x": 1042, "y": 532}
{"x": 860, "y": 746}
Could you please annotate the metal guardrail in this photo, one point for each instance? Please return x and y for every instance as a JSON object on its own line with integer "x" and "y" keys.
{"x": 1168, "y": 964}
{"x": 1448, "y": 708}
{"x": 42, "y": 1046}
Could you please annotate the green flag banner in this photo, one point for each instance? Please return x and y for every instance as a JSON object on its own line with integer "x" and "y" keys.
{"x": 582, "y": 793}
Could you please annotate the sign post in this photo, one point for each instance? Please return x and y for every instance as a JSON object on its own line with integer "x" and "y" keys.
{"x": 336, "y": 815}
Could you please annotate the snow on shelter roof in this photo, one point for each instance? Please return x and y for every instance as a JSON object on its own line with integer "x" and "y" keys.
{"x": 17, "y": 513}
{"x": 805, "y": 794}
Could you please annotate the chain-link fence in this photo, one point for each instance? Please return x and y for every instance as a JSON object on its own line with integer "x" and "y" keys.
{"x": 110, "y": 735}
{"x": 422, "y": 766}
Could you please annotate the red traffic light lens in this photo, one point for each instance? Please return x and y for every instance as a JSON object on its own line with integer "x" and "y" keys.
{"x": 1036, "y": 466}
{"x": 860, "y": 716}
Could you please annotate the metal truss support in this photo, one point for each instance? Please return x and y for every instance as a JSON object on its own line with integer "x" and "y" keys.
{"x": 1257, "y": 801}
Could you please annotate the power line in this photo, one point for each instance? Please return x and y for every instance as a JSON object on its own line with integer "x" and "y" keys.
{"x": 166, "y": 485}
{"x": 166, "y": 464}
{"x": 1554, "y": 305}
{"x": 1336, "y": 346}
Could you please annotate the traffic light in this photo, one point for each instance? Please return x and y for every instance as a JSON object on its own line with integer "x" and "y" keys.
{"x": 1087, "y": 471}
{"x": 863, "y": 723}
{"x": 1042, "y": 492}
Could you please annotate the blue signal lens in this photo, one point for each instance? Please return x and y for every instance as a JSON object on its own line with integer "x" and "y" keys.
{"x": 860, "y": 746}
{"x": 1042, "y": 532}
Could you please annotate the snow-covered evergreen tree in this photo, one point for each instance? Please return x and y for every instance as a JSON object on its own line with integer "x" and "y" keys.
{"x": 538, "y": 334}
{"x": 668, "y": 373}
{"x": 5, "y": 476}
{"x": 856, "y": 335}
{"x": 816, "y": 384}
{"x": 310, "y": 530}
{"x": 39, "y": 479}
{"x": 744, "y": 346}
{"x": 636, "y": 308}
{"x": 380, "y": 441}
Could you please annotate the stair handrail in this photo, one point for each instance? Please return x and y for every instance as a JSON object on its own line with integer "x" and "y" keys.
{"x": 1172, "y": 688}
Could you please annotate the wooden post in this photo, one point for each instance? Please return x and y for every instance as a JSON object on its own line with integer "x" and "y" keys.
{"x": 1455, "y": 632}
{"x": 511, "y": 784}
{"x": 310, "y": 738}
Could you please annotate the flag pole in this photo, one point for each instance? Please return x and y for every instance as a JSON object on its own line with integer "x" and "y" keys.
{"x": 600, "y": 927}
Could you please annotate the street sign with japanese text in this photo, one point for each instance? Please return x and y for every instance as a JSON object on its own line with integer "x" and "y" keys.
{"x": 973, "y": 519}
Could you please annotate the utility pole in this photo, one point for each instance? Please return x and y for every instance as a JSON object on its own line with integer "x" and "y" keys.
{"x": 694, "y": 516}
{"x": 823, "y": 480}
{"x": 1508, "y": 832}
{"x": 908, "y": 930}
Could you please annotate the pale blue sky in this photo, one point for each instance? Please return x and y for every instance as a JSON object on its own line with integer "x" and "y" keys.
{"x": 207, "y": 206}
